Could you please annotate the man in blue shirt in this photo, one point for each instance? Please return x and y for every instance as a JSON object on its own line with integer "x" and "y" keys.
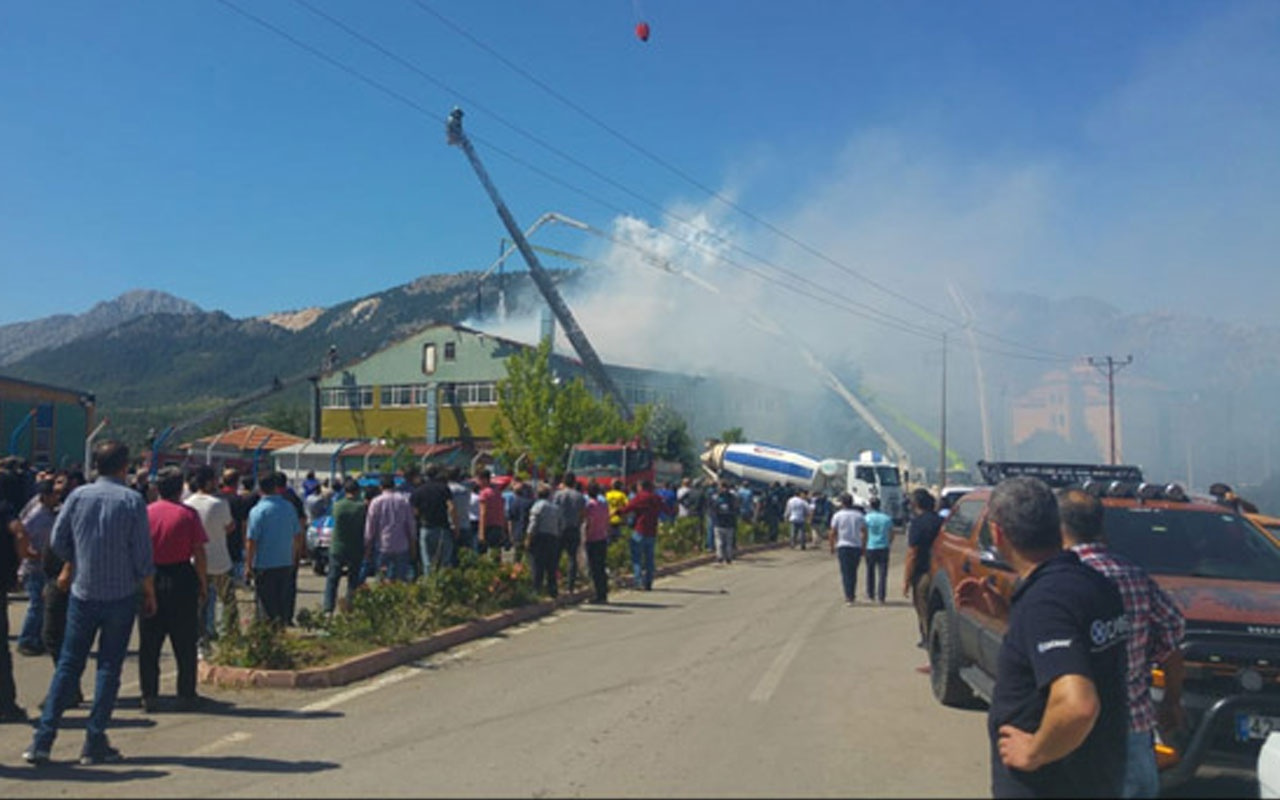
{"x": 103, "y": 537}
{"x": 274, "y": 540}
{"x": 879, "y": 537}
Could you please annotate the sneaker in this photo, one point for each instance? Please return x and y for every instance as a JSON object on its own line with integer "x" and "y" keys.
{"x": 101, "y": 755}
{"x": 150, "y": 705}
{"x": 30, "y": 650}
{"x": 36, "y": 756}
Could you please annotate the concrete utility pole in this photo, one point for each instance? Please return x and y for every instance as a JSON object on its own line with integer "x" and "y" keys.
{"x": 1112, "y": 367}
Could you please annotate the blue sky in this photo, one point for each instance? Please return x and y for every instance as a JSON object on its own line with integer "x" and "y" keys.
{"x": 1121, "y": 150}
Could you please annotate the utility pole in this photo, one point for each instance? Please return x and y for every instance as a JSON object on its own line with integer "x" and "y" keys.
{"x": 1112, "y": 366}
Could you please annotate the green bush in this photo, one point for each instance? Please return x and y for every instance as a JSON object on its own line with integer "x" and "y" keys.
{"x": 263, "y": 645}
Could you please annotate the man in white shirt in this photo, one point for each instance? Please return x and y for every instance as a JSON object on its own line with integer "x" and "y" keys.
{"x": 848, "y": 535}
{"x": 798, "y": 513}
{"x": 215, "y": 515}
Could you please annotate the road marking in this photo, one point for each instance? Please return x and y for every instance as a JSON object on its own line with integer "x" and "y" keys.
{"x": 392, "y": 678}
{"x": 773, "y": 675}
{"x": 218, "y": 744}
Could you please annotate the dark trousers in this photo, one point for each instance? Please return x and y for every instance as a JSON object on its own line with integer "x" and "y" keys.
{"x": 545, "y": 551}
{"x": 8, "y": 691}
{"x": 877, "y": 573}
{"x": 177, "y": 617}
{"x": 570, "y": 541}
{"x": 292, "y": 589}
{"x": 273, "y": 588}
{"x": 849, "y": 558}
{"x": 596, "y": 552}
{"x": 54, "y": 629}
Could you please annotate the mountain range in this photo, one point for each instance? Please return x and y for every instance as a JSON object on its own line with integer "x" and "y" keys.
{"x": 1196, "y": 400}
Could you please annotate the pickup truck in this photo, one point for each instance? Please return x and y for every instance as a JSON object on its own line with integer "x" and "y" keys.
{"x": 1221, "y": 570}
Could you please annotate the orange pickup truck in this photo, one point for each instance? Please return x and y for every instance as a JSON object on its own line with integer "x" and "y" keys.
{"x": 1221, "y": 569}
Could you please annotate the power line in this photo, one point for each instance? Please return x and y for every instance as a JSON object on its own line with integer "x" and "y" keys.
{"x": 709, "y": 191}
{"x": 819, "y": 294}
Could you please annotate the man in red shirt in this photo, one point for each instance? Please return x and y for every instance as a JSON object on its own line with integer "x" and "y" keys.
{"x": 493, "y": 516}
{"x": 177, "y": 544}
{"x": 646, "y": 506}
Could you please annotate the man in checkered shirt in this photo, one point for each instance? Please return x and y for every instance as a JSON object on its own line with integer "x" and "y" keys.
{"x": 1157, "y": 628}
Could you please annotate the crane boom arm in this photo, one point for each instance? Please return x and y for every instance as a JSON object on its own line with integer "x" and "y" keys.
{"x": 590, "y": 361}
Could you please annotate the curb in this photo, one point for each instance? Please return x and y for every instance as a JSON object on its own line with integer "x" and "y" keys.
{"x": 385, "y": 658}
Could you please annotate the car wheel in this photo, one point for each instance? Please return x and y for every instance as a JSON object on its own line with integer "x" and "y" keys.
{"x": 944, "y": 662}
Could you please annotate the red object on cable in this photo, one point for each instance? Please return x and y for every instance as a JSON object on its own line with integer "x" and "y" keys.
{"x": 642, "y": 31}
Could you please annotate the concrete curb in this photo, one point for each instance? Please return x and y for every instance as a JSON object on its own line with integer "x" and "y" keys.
{"x": 385, "y": 658}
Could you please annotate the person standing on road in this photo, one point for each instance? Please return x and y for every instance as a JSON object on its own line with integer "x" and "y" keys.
{"x": 921, "y": 532}
{"x": 493, "y": 515}
{"x": 879, "y": 539}
{"x": 848, "y": 530}
{"x": 388, "y": 528}
{"x": 596, "y": 536}
{"x": 544, "y": 542}
{"x": 437, "y": 521}
{"x": 102, "y": 536}
{"x": 724, "y": 516}
{"x": 1156, "y": 628}
{"x": 273, "y": 539}
{"x": 215, "y": 516}
{"x": 465, "y": 536}
{"x": 1058, "y": 720}
{"x": 38, "y": 524}
{"x": 798, "y": 513}
{"x": 56, "y": 597}
{"x": 646, "y": 506}
{"x": 616, "y": 498}
{"x": 518, "y": 518}
{"x": 178, "y": 547}
{"x": 572, "y": 504}
{"x": 346, "y": 548}
{"x": 13, "y": 549}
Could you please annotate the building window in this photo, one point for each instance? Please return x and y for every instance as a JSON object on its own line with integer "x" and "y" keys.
{"x": 450, "y": 351}
{"x": 404, "y": 396}
{"x": 347, "y": 397}
{"x": 469, "y": 394}
{"x": 429, "y": 358}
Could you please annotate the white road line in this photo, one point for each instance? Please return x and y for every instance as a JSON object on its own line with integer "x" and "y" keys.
{"x": 394, "y": 677}
{"x": 773, "y": 675}
{"x": 218, "y": 744}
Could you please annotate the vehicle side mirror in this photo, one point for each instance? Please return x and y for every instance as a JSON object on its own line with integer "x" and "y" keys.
{"x": 992, "y": 559}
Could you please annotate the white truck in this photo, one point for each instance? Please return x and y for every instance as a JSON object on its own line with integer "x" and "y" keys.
{"x": 873, "y": 475}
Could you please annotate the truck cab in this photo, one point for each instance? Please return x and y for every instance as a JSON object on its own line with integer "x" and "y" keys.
{"x": 874, "y": 475}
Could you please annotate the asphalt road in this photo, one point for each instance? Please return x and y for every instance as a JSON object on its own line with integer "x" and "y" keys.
{"x": 747, "y": 680}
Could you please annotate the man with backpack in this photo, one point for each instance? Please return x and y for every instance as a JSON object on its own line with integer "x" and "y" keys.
{"x": 724, "y": 518}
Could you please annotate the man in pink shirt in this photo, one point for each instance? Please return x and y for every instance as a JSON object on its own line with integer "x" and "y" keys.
{"x": 177, "y": 546}
{"x": 493, "y": 516}
{"x": 390, "y": 521}
{"x": 597, "y": 540}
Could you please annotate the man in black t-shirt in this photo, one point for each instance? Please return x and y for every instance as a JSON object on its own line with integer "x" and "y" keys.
{"x": 437, "y": 520}
{"x": 1058, "y": 720}
{"x": 921, "y": 532}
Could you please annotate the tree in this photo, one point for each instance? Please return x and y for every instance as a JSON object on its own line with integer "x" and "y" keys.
{"x": 542, "y": 417}
{"x": 733, "y": 436}
{"x": 668, "y": 434}
{"x": 293, "y": 419}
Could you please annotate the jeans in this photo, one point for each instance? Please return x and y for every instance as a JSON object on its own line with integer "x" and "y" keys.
{"x": 849, "y": 558}
{"x": 545, "y": 550}
{"x": 394, "y": 566}
{"x": 8, "y": 690}
{"x": 272, "y": 588}
{"x": 799, "y": 536}
{"x": 33, "y": 622}
{"x": 1141, "y": 777}
{"x": 597, "y": 552}
{"x": 725, "y": 543}
{"x": 111, "y": 621}
{"x": 221, "y": 587}
{"x": 877, "y": 573}
{"x": 436, "y": 547}
{"x": 711, "y": 534}
{"x": 570, "y": 541}
{"x": 466, "y": 541}
{"x": 642, "y": 548}
{"x": 337, "y": 566}
{"x": 177, "y": 617}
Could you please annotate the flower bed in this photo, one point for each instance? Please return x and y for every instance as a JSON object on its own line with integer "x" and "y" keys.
{"x": 392, "y": 617}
